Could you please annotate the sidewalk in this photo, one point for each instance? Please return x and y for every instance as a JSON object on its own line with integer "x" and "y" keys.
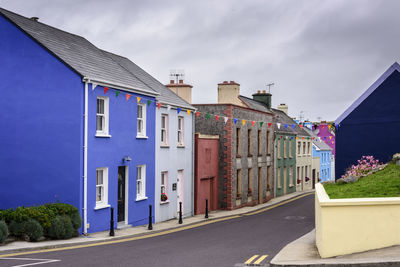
{"x": 303, "y": 252}
{"x": 142, "y": 231}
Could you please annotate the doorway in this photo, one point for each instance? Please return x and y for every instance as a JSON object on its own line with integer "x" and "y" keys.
{"x": 179, "y": 188}
{"x": 121, "y": 210}
{"x": 313, "y": 178}
{"x": 260, "y": 186}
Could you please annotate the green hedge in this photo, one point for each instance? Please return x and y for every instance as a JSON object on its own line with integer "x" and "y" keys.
{"x": 45, "y": 215}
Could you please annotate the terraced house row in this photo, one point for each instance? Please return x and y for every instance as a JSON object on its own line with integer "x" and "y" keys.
{"x": 93, "y": 129}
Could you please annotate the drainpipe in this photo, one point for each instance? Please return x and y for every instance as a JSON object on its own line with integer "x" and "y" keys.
{"x": 85, "y": 155}
{"x": 193, "y": 148}
{"x": 275, "y": 165}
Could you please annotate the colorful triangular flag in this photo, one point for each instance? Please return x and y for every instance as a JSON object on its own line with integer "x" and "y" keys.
{"x": 117, "y": 93}
{"x": 243, "y": 122}
{"x": 148, "y": 102}
{"x": 207, "y": 116}
{"x": 197, "y": 114}
{"x": 294, "y": 126}
{"x": 279, "y": 125}
{"x": 252, "y": 123}
{"x": 261, "y": 123}
{"x": 105, "y": 90}
{"x": 216, "y": 118}
{"x": 225, "y": 119}
{"x": 179, "y": 110}
{"x": 269, "y": 124}
{"x": 138, "y": 99}
{"x": 188, "y": 111}
{"x": 235, "y": 120}
{"x": 168, "y": 107}
{"x": 158, "y": 105}
{"x": 128, "y": 96}
{"x": 286, "y": 126}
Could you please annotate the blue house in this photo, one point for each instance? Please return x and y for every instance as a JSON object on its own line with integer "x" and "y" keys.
{"x": 77, "y": 127}
{"x": 371, "y": 124}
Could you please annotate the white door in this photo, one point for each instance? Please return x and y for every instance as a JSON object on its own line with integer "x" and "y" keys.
{"x": 179, "y": 194}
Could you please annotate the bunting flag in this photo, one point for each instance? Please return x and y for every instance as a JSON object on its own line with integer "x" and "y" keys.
{"x": 235, "y": 120}
{"x": 294, "y": 126}
{"x": 301, "y": 126}
{"x": 297, "y": 138}
{"x": 286, "y": 126}
{"x": 179, "y": 110}
{"x": 291, "y": 138}
{"x": 322, "y": 126}
{"x": 148, "y": 102}
{"x": 279, "y": 125}
{"x": 207, "y": 116}
{"x": 325, "y": 137}
{"x": 197, "y": 114}
{"x": 330, "y": 137}
{"x": 261, "y": 123}
{"x": 117, "y": 93}
{"x": 188, "y": 111}
{"x": 225, "y": 119}
{"x": 243, "y": 122}
{"x": 281, "y": 137}
{"x": 302, "y": 138}
{"x": 168, "y": 107}
{"x": 158, "y": 105}
{"x": 252, "y": 123}
{"x": 105, "y": 90}
{"x": 269, "y": 124}
{"x": 128, "y": 96}
{"x": 138, "y": 99}
{"x": 313, "y": 138}
{"x": 217, "y": 118}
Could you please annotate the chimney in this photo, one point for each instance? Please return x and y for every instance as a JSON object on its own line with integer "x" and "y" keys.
{"x": 35, "y": 18}
{"x": 228, "y": 93}
{"x": 181, "y": 89}
{"x": 284, "y": 108}
{"x": 263, "y": 97}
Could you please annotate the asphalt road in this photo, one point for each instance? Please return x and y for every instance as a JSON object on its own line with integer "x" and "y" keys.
{"x": 227, "y": 243}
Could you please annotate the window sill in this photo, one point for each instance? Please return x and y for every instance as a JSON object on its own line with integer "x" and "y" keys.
{"x": 238, "y": 156}
{"x": 164, "y": 146}
{"x": 180, "y": 146}
{"x": 102, "y": 135}
{"x": 164, "y": 202}
{"x": 279, "y": 187}
{"x": 291, "y": 185}
{"x": 102, "y": 206}
{"x": 141, "y": 137}
{"x": 141, "y": 198}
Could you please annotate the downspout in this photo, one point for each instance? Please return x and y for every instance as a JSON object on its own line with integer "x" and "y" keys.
{"x": 85, "y": 155}
{"x": 275, "y": 167}
{"x": 193, "y": 154}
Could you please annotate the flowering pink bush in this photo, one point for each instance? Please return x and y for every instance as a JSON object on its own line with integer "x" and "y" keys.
{"x": 364, "y": 166}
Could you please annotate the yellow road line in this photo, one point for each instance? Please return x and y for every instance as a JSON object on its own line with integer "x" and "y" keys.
{"x": 260, "y": 259}
{"x": 251, "y": 259}
{"x": 151, "y": 235}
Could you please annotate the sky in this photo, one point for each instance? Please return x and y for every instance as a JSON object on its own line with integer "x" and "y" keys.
{"x": 320, "y": 55}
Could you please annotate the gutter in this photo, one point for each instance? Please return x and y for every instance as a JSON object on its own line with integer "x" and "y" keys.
{"x": 128, "y": 88}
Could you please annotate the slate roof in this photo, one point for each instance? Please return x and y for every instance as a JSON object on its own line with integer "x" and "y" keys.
{"x": 282, "y": 118}
{"x": 78, "y": 53}
{"x": 370, "y": 90}
{"x": 253, "y": 104}
{"x": 320, "y": 145}
{"x": 166, "y": 95}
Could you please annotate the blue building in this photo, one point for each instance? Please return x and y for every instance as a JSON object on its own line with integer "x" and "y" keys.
{"x": 371, "y": 124}
{"x": 77, "y": 127}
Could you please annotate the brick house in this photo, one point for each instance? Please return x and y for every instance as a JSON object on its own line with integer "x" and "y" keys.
{"x": 245, "y": 130}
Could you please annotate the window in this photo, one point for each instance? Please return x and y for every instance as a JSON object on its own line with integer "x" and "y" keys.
{"x": 306, "y": 173}
{"x": 268, "y": 178}
{"x": 239, "y": 183}
{"x": 298, "y": 148}
{"x": 292, "y": 175}
{"x": 164, "y": 183}
{"x": 141, "y": 120}
{"x": 279, "y": 177}
{"x": 308, "y": 147}
{"x": 302, "y": 173}
{"x": 304, "y": 148}
{"x": 298, "y": 173}
{"x": 141, "y": 182}
{"x": 180, "y": 131}
{"x": 279, "y": 148}
{"x": 285, "y": 177}
{"x": 268, "y": 144}
{"x": 249, "y": 143}
{"x": 101, "y": 187}
{"x": 164, "y": 129}
{"x": 259, "y": 144}
{"x": 102, "y": 116}
{"x": 290, "y": 148}
{"x": 238, "y": 144}
{"x": 250, "y": 180}
{"x": 285, "y": 148}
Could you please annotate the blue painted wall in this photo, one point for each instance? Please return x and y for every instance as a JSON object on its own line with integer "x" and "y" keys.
{"x": 325, "y": 163}
{"x": 41, "y": 108}
{"x": 372, "y": 128}
{"x": 109, "y": 152}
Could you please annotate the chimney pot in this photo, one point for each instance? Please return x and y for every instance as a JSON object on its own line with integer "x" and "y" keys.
{"x": 232, "y": 82}
{"x": 171, "y": 81}
{"x": 258, "y": 91}
{"x": 225, "y": 81}
{"x": 264, "y": 92}
{"x": 181, "y": 81}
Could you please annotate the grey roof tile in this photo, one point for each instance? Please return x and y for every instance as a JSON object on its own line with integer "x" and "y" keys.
{"x": 320, "y": 145}
{"x": 166, "y": 95}
{"x": 253, "y": 104}
{"x": 77, "y": 52}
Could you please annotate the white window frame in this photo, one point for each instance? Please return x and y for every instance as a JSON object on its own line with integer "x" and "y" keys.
{"x": 164, "y": 130}
{"x": 105, "y": 116}
{"x": 181, "y": 132}
{"x": 103, "y": 203}
{"x": 141, "y": 133}
{"x": 164, "y": 185}
{"x": 141, "y": 169}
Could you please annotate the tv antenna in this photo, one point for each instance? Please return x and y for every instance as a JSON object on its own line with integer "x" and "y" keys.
{"x": 177, "y": 75}
{"x": 269, "y": 87}
{"x": 301, "y": 116}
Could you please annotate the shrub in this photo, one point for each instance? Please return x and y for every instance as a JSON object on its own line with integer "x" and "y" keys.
{"x": 76, "y": 220}
{"x": 17, "y": 229}
{"x": 3, "y": 231}
{"x": 33, "y": 230}
{"x": 61, "y": 228}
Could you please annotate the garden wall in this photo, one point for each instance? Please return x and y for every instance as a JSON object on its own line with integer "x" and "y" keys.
{"x": 345, "y": 226}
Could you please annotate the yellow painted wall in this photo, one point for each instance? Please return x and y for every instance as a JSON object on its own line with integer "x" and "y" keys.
{"x": 303, "y": 160}
{"x": 346, "y": 226}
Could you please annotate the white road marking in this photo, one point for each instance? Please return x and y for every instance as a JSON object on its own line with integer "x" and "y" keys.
{"x": 41, "y": 261}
